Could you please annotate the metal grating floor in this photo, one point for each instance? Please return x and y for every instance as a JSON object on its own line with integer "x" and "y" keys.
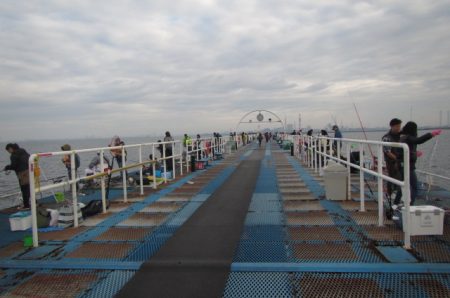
{"x": 91, "y": 250}
{"x": 311, "y": 233}
{"x": 124, "y": 234}
{"x": 144, "y": 220}
{"x": 324, "y": 252}
{"x": 56, "y": 284}
{"x": 302, "y": 206}
{"x": 308, "y": 218}
{"x": 310, "y": 285}
{"x": 62, "y": 235}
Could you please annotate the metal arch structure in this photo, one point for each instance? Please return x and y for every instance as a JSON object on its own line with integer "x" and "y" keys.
{"x": 262, "y": 119}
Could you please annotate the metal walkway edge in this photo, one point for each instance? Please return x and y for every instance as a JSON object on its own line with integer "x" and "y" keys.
{"x": 196, "y": 261}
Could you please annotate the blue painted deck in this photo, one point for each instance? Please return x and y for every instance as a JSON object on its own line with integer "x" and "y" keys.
{"x": 294, "y": 243}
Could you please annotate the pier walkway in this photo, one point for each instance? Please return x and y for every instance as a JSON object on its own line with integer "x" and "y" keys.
{"x": 255, "y": 224}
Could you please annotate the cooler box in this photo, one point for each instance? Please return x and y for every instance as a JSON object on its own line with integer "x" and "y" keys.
{"x": 200, "y": 165}
{"x": 20, "y": 221}
{"x": 168, "y": 175}
{"x": 335, "y": 177}
{"x": 425, "y": 220}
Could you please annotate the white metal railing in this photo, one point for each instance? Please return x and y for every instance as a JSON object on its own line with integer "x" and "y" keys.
{"x": 313, "y": 151}
{"x": 207, "y": 147}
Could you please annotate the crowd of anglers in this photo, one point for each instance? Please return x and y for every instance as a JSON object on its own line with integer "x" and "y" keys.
{"x": 19, "y": 159}
{"x": 393, "y": 156}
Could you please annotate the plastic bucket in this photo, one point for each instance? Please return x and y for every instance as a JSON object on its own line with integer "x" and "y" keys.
{"x": 28, "y": 241}
{"x": 59, "y": 197}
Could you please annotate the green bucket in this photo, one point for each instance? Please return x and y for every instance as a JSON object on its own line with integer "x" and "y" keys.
{"x": 59, "y": 197}
{"x": 28, "y": 241}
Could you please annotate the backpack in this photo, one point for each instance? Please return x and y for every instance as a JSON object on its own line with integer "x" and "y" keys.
{"x": 93, "y": 207}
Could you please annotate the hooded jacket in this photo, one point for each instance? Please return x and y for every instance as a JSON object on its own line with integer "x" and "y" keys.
{"x": 19, "y": 161}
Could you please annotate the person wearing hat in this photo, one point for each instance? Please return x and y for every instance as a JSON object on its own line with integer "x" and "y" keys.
{"x": 392, "y": 157}
{"x": 19, "y": 164}
{"x": 67, "y": 162}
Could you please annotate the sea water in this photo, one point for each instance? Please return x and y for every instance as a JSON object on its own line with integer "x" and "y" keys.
{"x": 437, "y": 162}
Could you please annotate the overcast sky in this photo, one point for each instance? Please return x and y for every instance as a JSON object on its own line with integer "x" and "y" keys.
{"x": 98, "y": 68}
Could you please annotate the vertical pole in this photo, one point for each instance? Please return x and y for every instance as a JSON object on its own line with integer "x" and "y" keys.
{"x": 141, "y": 175}
{"x": 349, "y": 172}
{"x": 315, "y": 154}
{"x": 181, "y": 158}
{"x": 320, "y": 155}
{"x": 165, "y": 163}
{"x": 34, "y": 226}
{"x": 124, "y": 176}
{"x": 73, "y": 172}
{"x": 407, "y": 197}
{"x": 380, "y": 186}
{"x": 361, "y": 176}
{"x": 188, "y": 157}
{"x": 338, "y": 149}
{"x": 154, "y": 166}
{"x": 173, "y": 159}
{"x": 102, "y": 183}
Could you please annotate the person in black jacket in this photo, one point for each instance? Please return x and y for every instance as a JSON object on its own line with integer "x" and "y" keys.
{"x": 19, "y": 164}
{"x": 409, "y": 136}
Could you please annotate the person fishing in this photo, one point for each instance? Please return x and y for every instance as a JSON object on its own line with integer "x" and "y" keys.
{"x": 117, "y": 153}
{"x": 169, "y": 152}
{"x": 391, "y": 156}
{"x": 94, "y": 167}
{"x": 337, "y": 135}
{"x": 67, "y": 162}
{"x": 410, "y": 137}
{"x": 19, "y": 164}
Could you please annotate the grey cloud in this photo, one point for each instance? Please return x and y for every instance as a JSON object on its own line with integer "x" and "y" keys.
{"x": 85, "y": 63}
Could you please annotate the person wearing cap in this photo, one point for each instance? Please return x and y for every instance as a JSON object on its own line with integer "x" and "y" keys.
{"x": 67, "y": 162}
{"x": 19, "y": 164}
{"x": 392, "y": 157}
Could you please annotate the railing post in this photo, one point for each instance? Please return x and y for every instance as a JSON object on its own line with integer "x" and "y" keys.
{"x": 141, "y": 176}
{"x": 124, "y": 176}
{"x": 173, "y": 159}
{"x": 165, "y": 163}
{"x": 380, "y": 186}
{"x": 361, "y": 176}
{"x": 349, "y": 171}
{"x": 181, "y": 158}
{"x": 338, "y": 149}
{"x": 102, "y": 181}
{"x": 407, "y": 196}
{"x": 73, "y": 172}
{"x": 34, "y": 226}
{"x": 188, "y": 157}
{"x": 154, "y": 166}
{"x": 320, "y": 155}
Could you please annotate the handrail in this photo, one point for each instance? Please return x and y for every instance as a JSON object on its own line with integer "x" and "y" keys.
{"x": 311, "y": 148}
{"x": 213, "y": 144}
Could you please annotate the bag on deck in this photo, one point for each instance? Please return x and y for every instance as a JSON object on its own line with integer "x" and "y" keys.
{"x": 66, "y": 215}
{"x": 93, "y": 207}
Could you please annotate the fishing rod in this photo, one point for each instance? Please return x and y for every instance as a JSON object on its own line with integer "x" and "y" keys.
{"x": 363, "y": 130}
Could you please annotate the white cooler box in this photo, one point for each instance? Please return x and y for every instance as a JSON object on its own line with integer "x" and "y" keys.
{"x": 20, "y": 221}
{"x": 425, "y": 220}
